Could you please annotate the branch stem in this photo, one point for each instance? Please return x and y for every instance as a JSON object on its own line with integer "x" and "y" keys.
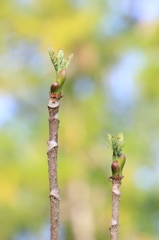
{"x": 60, "y": 65}
{"x": 52, "y": 169}
{"x": 114, "y": 228}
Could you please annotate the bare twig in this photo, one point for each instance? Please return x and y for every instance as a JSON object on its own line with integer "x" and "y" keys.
{"x": 115, "y": 209}
{"x": 52, "y": 165}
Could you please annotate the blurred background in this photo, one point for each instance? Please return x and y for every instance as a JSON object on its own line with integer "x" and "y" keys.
{"x": 112, "y": 87}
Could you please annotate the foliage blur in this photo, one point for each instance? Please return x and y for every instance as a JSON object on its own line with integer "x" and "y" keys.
{"x": 112, "y": 87}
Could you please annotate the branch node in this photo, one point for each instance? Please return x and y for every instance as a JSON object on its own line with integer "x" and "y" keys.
{"x": 56, "y": 116}
{"x": 55, "y": 193}
{"x": 53, "y": 104}
{"x": 55, "y": 97}
{"x": 113, "y": 222}
{"x": 51, "y": 144}
{"x": 116, "y": 192}
{"x": 117, "y": 177}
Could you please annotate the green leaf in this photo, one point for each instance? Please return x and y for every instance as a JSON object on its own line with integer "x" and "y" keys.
{"x": 58, "y": 60}
{"x": 116, "y": 143}
{"x": 68, "y": 60}
{"x": 109, "y": 136}
{"x": 121, "y": 136}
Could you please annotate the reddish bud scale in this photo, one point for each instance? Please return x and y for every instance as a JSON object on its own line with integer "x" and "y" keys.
{"x": 115, "y": 168}
{"x": 54, "y": 87}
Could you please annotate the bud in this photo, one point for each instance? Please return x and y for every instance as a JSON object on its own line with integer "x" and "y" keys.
{"x": 54, "y": 87}
{"x": 121, "y": 161}
{"x": 115, "y": 168}
{"x": 61, "y": 77}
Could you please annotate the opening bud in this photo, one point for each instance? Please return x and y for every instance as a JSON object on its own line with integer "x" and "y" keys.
{"x": 115, "y": 168}
{"x": 54, "y": 87}
{"x": 121, "y": 161}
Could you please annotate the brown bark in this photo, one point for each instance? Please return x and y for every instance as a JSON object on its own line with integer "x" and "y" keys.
{"x": 114, "y": 228}
{"x": 52, "y": 168}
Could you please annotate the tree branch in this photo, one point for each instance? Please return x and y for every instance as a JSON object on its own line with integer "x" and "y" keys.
{"x": 118, "y": 162}
{"x": 115, "y": 209}
{"x": 52, "y": 166}
{"x": 60, "y": 65}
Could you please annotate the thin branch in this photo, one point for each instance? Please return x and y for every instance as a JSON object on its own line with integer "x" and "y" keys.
{"x": 60, "y": 65}
{"x": 116, "y": 143}
{"x": 52, "y": 166}
{"x": 114, "y": 228}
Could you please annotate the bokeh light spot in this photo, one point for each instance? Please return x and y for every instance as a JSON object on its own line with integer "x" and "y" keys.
{"x": 8, "y": 107}
{"x": 83, "y": 88}
{"x": 144, "y": 178}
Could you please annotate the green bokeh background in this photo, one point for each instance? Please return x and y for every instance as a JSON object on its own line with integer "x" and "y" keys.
{"x": 112, "y": 86}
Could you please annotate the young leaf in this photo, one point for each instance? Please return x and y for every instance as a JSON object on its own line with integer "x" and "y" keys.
{"x": 116, "y": 144}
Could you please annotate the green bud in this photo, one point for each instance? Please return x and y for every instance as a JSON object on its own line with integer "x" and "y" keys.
{"x": 118, "y": 158}
{"x": 121, "y": 161}
{"x": 60, "y": 65}
{"x": 61, "y": 78}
